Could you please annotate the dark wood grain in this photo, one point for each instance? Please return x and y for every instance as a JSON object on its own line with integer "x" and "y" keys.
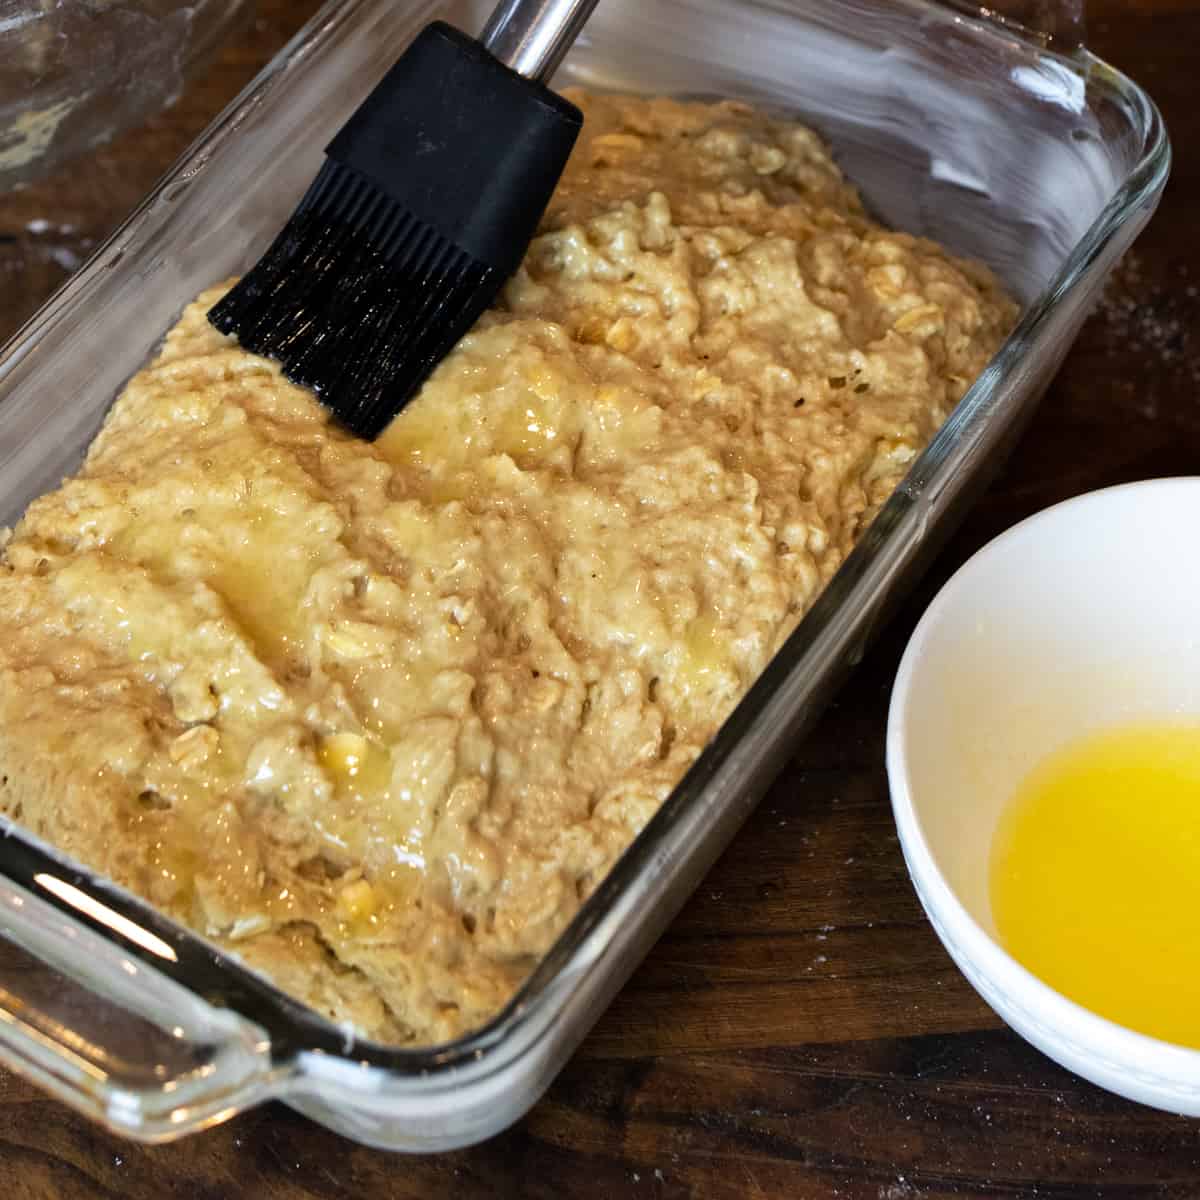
{"x": 799, "y": 1031}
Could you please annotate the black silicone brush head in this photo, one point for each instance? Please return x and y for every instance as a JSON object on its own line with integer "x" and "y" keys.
{"x": 357, "y": 300}
{"x": 428, "y": 200}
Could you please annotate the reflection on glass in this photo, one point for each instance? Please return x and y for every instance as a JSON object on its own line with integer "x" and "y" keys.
{"x": 82, "y": 902}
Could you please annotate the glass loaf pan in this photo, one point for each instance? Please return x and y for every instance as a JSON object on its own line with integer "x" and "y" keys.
{"x": 1043, "y": 164}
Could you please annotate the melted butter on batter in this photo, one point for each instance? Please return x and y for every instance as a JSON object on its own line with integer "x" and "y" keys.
{"x": 377, "y": 718}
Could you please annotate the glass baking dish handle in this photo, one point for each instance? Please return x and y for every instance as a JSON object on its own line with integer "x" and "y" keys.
{"x": 1056, "y": 24}
{"x": 146, "y": 1058}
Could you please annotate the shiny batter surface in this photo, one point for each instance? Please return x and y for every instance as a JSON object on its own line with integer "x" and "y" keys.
{"x": 378, "y": 718}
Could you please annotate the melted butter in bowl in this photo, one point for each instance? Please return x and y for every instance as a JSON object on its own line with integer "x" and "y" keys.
{"x": 1044, "y": 761}
{"x": 1095, "y": 877}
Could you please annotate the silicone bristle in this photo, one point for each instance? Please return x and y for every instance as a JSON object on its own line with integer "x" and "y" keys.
{"x": 357, "y": 300}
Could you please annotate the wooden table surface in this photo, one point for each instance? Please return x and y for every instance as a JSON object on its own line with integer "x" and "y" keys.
{"x": 799, "y": 1031}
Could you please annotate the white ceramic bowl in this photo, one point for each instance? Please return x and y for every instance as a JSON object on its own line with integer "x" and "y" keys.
{"x": 1085, "y": 615}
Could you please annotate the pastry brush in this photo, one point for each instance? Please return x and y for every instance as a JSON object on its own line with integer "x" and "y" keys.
{"x": 426, "y": 203}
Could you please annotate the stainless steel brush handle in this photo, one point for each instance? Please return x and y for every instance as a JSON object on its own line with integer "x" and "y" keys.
{"x": 532, "y": 36}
